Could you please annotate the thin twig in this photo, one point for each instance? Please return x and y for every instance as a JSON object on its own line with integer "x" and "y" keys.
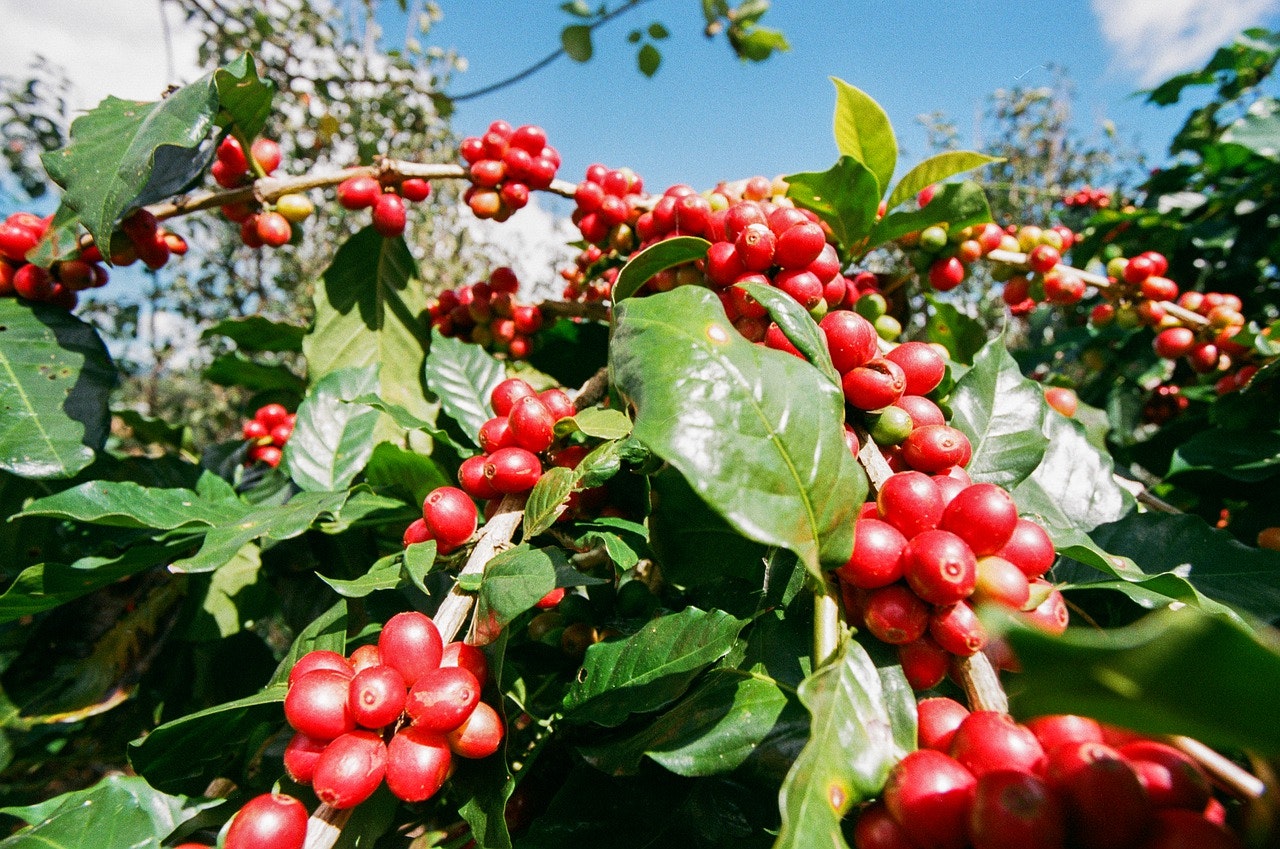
{"x": 1228, "y": 775}
{"x": 495, "y": 535}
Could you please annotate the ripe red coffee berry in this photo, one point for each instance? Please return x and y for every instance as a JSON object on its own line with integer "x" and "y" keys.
{"x": 983, "y": 515}
{"x": 911, "y": 502}
{"x": 389, "y": 216}
{"x": 377, "y": 696}
{"x": 876, "y": 829}
{"x": 1107, "y": 808}
{"x": 798, "y": 245}
{"x": 320, "y": 659}
{"x": 988, "y": 741}
{"x": 1043, "y": 258}
{"x": 416, "y": 532}
{"x": 358, "y": 192}
{"x": 957, "y": 629}
{"x": 231, "y": 155}
{"x": 411, "y": 643}
{"x": 558, "y": 402}
{"x": 34, "y": 283}
{"x": 922, "y": 410}
{"x": 877, "y": 555}
{"x": 1171, "y": 778}
{"x": 923, "y": 366}
{"x": 469, "y": 658}
{"x": 266, "y": 153}
{"x": 273, "y": 229}
{"x": 451, "y": 516}
{"x": 946, "y": 274}
{"x": 300, "y": 756}
{"x": 512, "y": 470}
{"x": 532, "y": 424}
{"x": 1174, "y": 828}
{"x": 350, "y": 769}
{"x": 940, "y": 567}
{"x": 851, "y": 339}
{"x": 415, "y": 189}
{"x": 894, "y": 614}
{"x": 418, "y": 764}
{"x": 442, "y": 699}
{"x": 875, "y": 385}
{"x": 924, "y": 663}
{"x": 1060, "y": 729}
{"x": 472, "y": 480}
{"x": 1001, "y": 582}
{"x": 938, "y": 719}
{"x": 365, "y": 656}
{"x": 269, "y": 821}
{"x": 316, "y": 704}
{"x": 15, "y": 241}
{"x": 936, "y": 448}
{"x": 479, "y": 736}
{"x": 929, "y": 794}
{"x": 1029, "y": 548}
{"x": 495, "y": 434}
{"x": 505, "y": 394}
{"x": 1016, "y": 810}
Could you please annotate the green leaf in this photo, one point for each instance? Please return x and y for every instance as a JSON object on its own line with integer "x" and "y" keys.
{"x": 1003, "y": 414}
{"x": 846, "y": 197}
{"x": 961, "y": 335}
{"x": 714, "y": 729}
{"x": 125, "y": 504}
{"x": 548, "y": 500}
{"x": 408, "y": 474}
{"x": 515, "y": 580}
{"x": 934, "y": 170}
{"x": 332, "y": 439}
{"x": 797, "y": 325}
{"x": 651, "y": 667}
{"x": 409, "y": 421}
{"x": 570, "y": 351}
{"x": 1173, "y": 672}
{"x": 245, "y": 99}
{"x": 756, "y": 44}
{"x": 328, "y": 632}
{"x": 370, "y": 311}
{"x": 850, "y": 751}
{"x": 863, "y": 132}
{"x": 126, "y": 153}
{"x": 660, "y": 256}
{"x": 119, "y": 810}
{"x": 648, "y": 59}
{"x": 463, "y": 377}
{"x": 56, "y": 376}
{"x": 959, "y": 205}
{"x": 235, "y": 369}
{"x": 186, "y": 754}
{"x": 280, "y": 522}
{"x": 146, "y": 429}
{"x": 384, "y": 574}
{"x": 598, "y": 422}
{"x": 1231, "y": 453}
{"x": 1259, "y": 131}
{"x": 256, "y": 333}
{"x": 758, "y": 434}
{"x": 577, "y": 8}
{"x": 232, "y": 596}
{"x": 658, "y": 31}
{"x": 45, "y": 586}
{"x": 576, "y": 42}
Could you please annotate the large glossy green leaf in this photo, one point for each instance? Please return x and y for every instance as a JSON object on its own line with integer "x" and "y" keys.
{"x": 184, "y": 755}
{"x": 850, "y": 751}
{"x": 235, "y": 369}
{"x": 125, "y": 504}
{"x": 409, "y": 422}
{"x": 651, "y": 667}
{"x": 714, "y": 729}
{"x": 1259, "y": 131}
{"x": 118, "y": 811}
{"x": 332, "y": 439}
{"x": 1173, "y": 672}
{"x": 327, "y": 631}
{"x": 863, "y": 132}
{"x": 463, "y": 376}
{"x": 962, "y": 336}
{"x": 406, "y": 474}
{"x": 244, "y": 97}
{"x": 845, "y": 196}
{"x": 935, "y": 169}
{"x": 371, "y": 311}
{"x": 1003, "y": 415}
{"x": 276, "y": 522}
{"x": 797, "y": 325}
{"x": 657, "y": 257}
{"x": 258, "y": 333}
{"x": 758, "y": 434}
{"x": 960, "y": 205}
{"x": 1251, "y": 456}
{"x": 55, "y": 376}
{"x": 516, "y": 579}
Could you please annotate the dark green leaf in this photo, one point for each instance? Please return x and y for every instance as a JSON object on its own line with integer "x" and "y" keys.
{"x": 935, "y": 169}
{"x": 757, "y": 433}
{"x": 48, "y": 585}
{"x": 598, "y": 422}
{"x": 668, "y": 253}
{"x": 245, "y": 99}
{"x": 548, "y": 500}
{"x": 119, "y": 810}
{"x": 849, "y": 754}
{"x": 1003, "y": 414}
{"x": 961, "y": 335}
{"x": 409, "y": 421}
{"x": 756, "y": 44}
{"x": 515, "y": 580}
{"x": 418, "y": 560}
{"x": 648, "y": 59}
{"x": 650, "y": 668}
{"x": 797, "y": 325}
{"x": 863, "y": 132}
{"x": 960, "y": 205}
{"x": 576, "y": 42}
{"x": 1173, "y": 672}
{"x": 463, "y": 376}
{"x": 332, "y": 439}
{"x": 407, "y": 474}
{"x": 1230, "y": 453}
{"x": 257, "y": 333}
{"x": 384, "y": 574}
{"x": 328, "y": 632}
{"x": 570, "y": 351}
{"x": 125, "y": 504}
{"x": 846, "y": 197}
{"x": 53, "y": 395}
{"x": 186, "y": 754}
{"x": 280, "y": 522}
{"x": 235, "y": 369}
{"x": 1259, "y": 131}
{"x": 658, "y": 31}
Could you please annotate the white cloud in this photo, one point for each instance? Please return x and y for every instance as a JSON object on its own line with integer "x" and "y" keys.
{"x": 107, "y": 46}
{"x": 1159, "y": 38}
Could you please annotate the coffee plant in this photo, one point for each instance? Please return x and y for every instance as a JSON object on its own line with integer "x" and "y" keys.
{"x": 710, "y": 550}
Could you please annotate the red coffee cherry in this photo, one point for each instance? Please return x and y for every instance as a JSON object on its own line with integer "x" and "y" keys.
{"x": 877, "y": 555}
{"x": 495, "y": 434}
{"x": 469, "y": 658}
{"x": 358, "y": 192}
{"x": 1174, "y": 828}
{"x": 364, "y": 657}
{"x": 410, "y": 643}
{"x": 479, "y": 736}
{"x": 940, "y": 567}
{"x": 266, "y": 153}
{"x": 532, "y": 424}
{"x": 377, "y": 696}
{"x": 875, "y": 385}
{"x": 1029, "y": 548}
{"x": 1001, "y": 582}
{"x": 929, "y": 796}
{"x": 505, "y": 394}
{"x": 947, "y": 273}
{"x": 316, "y": 704}
{"x": 938, "y": 719}
{"x": 798, "y": 245}
{"x": 988, "y": 741}
{"x": 1015, "y": 810}
{"x": 320, "y": 659}
{"x": 1060, "y": 729}
{"x": 851, "y": 339}
{"x": 1051, "y": 615}
{"x": 894, "y": 614}
{"x": 922, "y": 410}
{"x": 269, "y": 821}
{"x": 983, "y": 515}
{"x": 558, "y": 402}
{"x": 1107, "y": 808}
{"x": 34, "y": 283}
{"x": 911, "y": 502}
{"x": 936, "y": 448}
{"x": 442, "y": 699}
{"x": 418, "y": 764}
{"x": 416, "y": 532}
{"x": 273, "y": 229}
{"x": 957, "y": 629}
{"x": 301, "y": 755}
{"x": 451, "y": 516}
{"x": 415, "y": 189}
{"x": 876, "y": 829}
{"x": 512, "y": 470}
{"x": 803, "y": 286}
{"x": 923, "y": 366}
{"x": 1043, "y": 258}
{"x": 389, "y": 217}
{"x": 924, "y": 663}
{"x": 1171, "y": 778}
{"x": 472, "y": 480}
{"x": 350, "y": 769}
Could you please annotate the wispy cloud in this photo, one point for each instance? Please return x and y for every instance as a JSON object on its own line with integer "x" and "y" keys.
{"x": 1159, "y": 38}
{"x": 107, "y": 46}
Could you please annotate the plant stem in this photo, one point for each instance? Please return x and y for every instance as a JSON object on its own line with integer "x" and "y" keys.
{"x": 496, "y": 534}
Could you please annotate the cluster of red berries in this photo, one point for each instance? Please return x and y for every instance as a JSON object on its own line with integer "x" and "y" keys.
{"x": 19, "y": 234}
{"x": 397, "y": 711}
{"x": 144, "y": 239}
{"x": 1165, "y": 402}
{"x": 505, "y": 164}
{"x": 984, "y": 781}
{"x": 585, "y": 281}
{"x": 1088, "y": 197}
{"x": 231, "y": 168}
{"x": 931, "y": 547}
{"x": 386, "y": 200}
{"x": 608, "y": 205}
{"x": 267, "y": 433}
{"x": 271, "y": 227}
{"x": 487, "y": 314}
{"x": 449, "y": 517}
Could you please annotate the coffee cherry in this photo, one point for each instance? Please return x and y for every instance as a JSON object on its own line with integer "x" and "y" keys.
{"x": 358, "y": 192}
{"x": 495, "y": 434}
{"x": 936, "y": 448}
{"x": 877, "y": 555}
{"x": 875, "y": 385}
{"x": 316, "y": 704}
{"x": 415, "y": 189}
{"x": 1171, "y": 778}
{"x": 876, "y": 829}
{"x": 472, "y": 480}
{"x": 273, "y": 229}
{"x": 389, "y": 215}
{"x": 989, "y": 741}
{"x": 451, "y": 517}
{"x": 15, "y": 241}
{"x": 34, "y": 283}
{"x": 350, "y": 769}
{"x": 983, "y": 515}
{"x": 231, "y": 154}
{"x": 300, "y": 756}
{"x": 922, "y": 410}
{"x": 269, "y": 821}
{"x": 1029, "y": 548}
{"x": 442, "y": 699}
{"x": 1060, "y": 729}
{"x": 296, "y": 208}
{"x": 467, "y": 657}
{"x": 929, "y": 795}
{"x": 320, "y": 659}
{"x": 512, "y": 470}
{"x": 851, "y": 340}
{"x": 532, "y": 424}
{"x": 798, "y": 245}
{"x": 938, "y": 719}
{"x": 924, "y": 663}
{"x": 266, "y": 153}
{"x": 1103, "y": 796}
{"x": 940, "y": 567}
{"x": 895, "y": 615}
{"x": 418, "y": 764}
{"x": 946, "y": 274}
{"x": 410, "y": 643}
{"x": 911, "y": 502}
{"x": 479, "y": 736}
{"x": 1014, "y": 810}
{"x": 505, "y": 394}
{"x": 377, "y": 696}
{"x": 1174, "y": 828}
{"x": 957, "y": 629}
{"x": 923, "y": 367}
{"x": 1001, "y": 582}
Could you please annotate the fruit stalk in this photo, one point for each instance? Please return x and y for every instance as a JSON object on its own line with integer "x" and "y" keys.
{"x": 496, "y": 534}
